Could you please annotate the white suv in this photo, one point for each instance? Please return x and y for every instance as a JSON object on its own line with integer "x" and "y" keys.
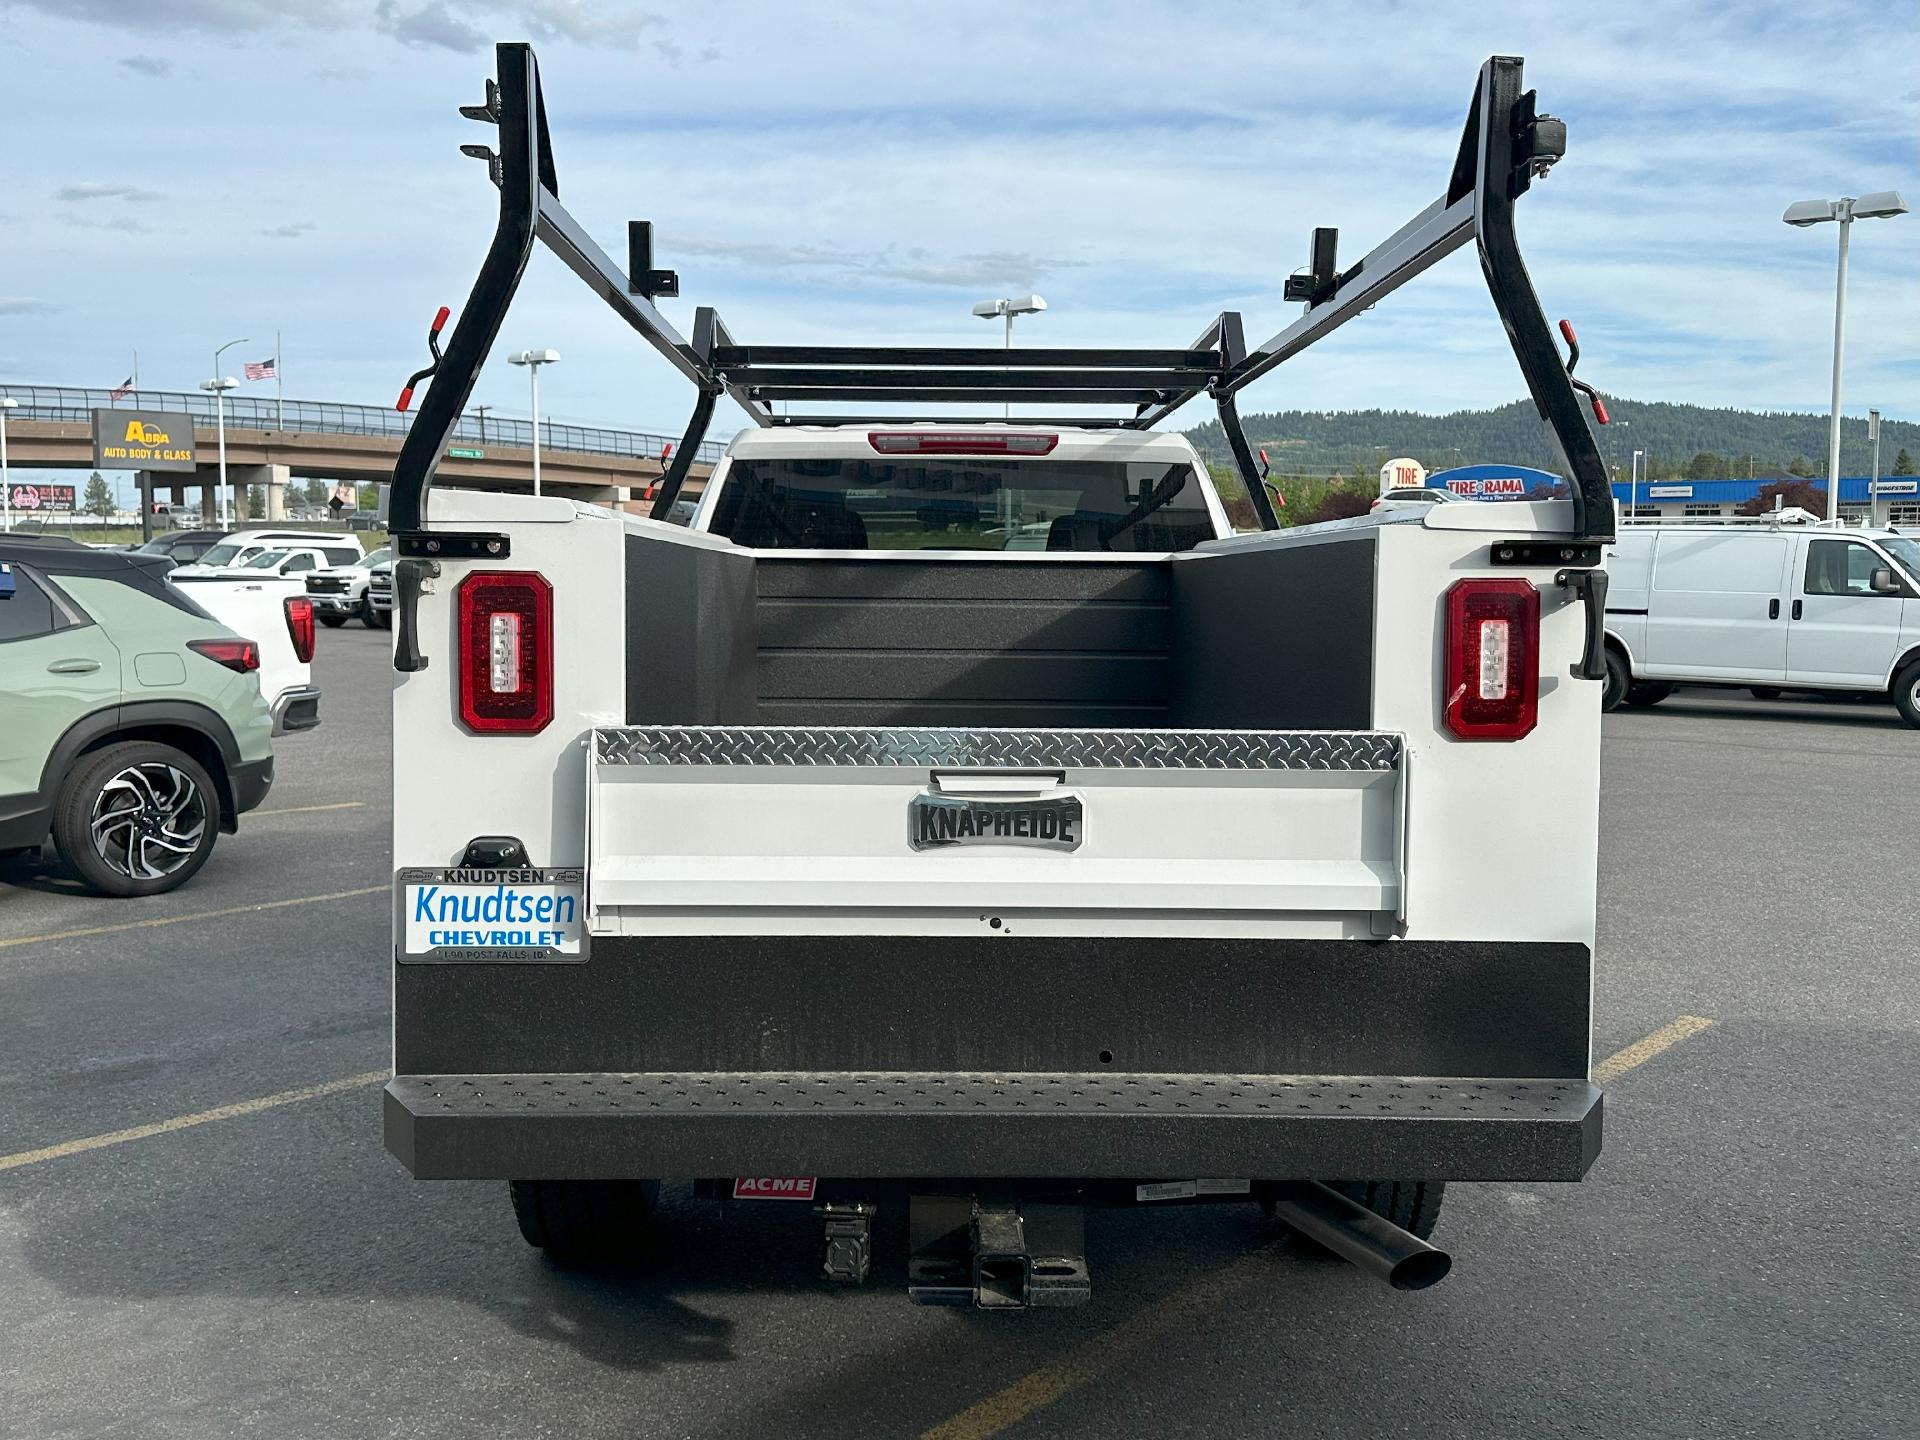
{"x": 242, "y": 545}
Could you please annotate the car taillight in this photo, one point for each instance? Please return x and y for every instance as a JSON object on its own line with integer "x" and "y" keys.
{"x": 959, "y": 442}
{"x": 240, "y": 655}
{"x": 300, "y": 626}
{"x": 506, "y": 652}
{"x": 1493, "y": 659}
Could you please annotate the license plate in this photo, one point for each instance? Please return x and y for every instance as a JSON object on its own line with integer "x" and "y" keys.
{"x": 491, "y": 917}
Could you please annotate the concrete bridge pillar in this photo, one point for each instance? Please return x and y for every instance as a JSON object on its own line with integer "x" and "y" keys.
{"x": 271, "y": 478}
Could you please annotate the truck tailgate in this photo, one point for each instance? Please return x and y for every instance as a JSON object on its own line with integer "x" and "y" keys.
{"x": 706, "y": 819}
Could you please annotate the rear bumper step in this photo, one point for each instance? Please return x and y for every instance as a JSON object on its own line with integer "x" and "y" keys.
{"x": 903, "y": 1124}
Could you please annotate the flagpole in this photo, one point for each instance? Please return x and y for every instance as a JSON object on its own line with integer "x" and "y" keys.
{"x": 136, "y": 370}
{"x": 279, "y": 406}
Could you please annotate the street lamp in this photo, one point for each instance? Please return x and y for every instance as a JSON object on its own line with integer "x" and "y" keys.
{"x": 7, "y": 402}
{"x": 219, "y": 387}
{"x": 1882, "y": 204}
{"x": 1009, "y": 306}
{"x": 533, "y": 360}
{"x": 1633, "y": 488}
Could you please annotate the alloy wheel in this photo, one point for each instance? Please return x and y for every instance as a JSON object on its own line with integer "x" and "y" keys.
{"x": 148, "y": 820}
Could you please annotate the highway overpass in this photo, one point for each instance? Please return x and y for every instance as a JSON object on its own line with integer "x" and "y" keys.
{"x": 270, "y": 443}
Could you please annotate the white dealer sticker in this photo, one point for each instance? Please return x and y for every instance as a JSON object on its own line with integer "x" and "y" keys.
{"x": 501, "y": 917}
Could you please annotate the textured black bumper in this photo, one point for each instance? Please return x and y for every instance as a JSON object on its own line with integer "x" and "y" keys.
{"x": 251, "y": 781}
{"x": 907, "y": 1124}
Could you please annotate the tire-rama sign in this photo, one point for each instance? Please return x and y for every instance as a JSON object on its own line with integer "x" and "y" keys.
{"x": 142, "y": 440}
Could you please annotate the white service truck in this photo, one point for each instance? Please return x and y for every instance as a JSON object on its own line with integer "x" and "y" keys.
{"x": 959, "y": 816}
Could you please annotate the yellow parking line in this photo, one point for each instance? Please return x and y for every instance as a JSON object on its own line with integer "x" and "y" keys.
{"x": 1641, "y": 1051}
{"x": 84, "y": 931}
{"x": 309, "y": 809}
{"x": 185, "y": 1122}
{"x": 1183, "y": 1306}
{"x": 1189, "y": 1303}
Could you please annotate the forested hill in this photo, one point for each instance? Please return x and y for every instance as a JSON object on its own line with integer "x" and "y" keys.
{"x": 1679, "y": 440}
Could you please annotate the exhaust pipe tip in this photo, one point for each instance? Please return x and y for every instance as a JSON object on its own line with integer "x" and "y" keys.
{"x": 1417, "y": 1272}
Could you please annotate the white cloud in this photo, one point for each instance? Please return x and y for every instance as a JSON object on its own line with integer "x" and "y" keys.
{"x": 101, "y": 190}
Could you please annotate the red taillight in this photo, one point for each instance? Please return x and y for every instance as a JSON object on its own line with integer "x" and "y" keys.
{"x": 959, "y": 442}
{"x": 1493, "y": 659}
{"x": 300, "y": 626}
{"x": 240, "y": 655}
{"x": 506, "y": 652}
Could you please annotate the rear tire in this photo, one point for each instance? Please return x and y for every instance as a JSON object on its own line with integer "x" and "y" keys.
{"x": 137, "y": 818}
{"x": 584, "y": 1219}
{"x": 1906, "y": 694}
{"x": 1764, "y": 692}
{"x": 1619, "y": 681}
{"x": 329, "y": 619}
{"x": 1647, "y": 692}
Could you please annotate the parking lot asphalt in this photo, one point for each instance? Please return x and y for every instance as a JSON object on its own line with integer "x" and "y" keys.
{"x": 1740, "y": 1262}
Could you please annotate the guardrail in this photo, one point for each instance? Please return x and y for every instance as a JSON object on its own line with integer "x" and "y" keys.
{"x": 249, "y": 412}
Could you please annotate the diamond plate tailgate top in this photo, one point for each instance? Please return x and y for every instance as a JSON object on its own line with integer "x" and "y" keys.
{"x": 813, "y": 825}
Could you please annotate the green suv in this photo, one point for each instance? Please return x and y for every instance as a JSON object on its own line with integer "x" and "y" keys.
{"x": 132, "y": 728}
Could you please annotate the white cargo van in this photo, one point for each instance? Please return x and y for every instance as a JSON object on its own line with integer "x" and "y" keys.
{"x": 1764, "y": 606}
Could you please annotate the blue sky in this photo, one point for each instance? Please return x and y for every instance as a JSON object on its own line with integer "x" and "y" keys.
{"x": 180, "y": 172}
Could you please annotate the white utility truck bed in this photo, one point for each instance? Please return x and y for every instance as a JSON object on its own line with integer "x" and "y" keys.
{"x": 958, "y": 815}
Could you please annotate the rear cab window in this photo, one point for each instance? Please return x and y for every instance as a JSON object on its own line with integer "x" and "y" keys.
{"x": 962, "y": 502}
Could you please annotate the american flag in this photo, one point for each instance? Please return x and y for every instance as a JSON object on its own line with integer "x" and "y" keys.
{"x": 122, "y": 390}
{"x": 261, "y": 369}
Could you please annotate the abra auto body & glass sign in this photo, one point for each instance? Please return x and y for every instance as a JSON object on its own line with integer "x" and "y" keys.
{"x": 142, "y": 440}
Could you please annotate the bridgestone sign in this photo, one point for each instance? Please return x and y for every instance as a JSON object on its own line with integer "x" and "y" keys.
{"x": 142, "y": 440}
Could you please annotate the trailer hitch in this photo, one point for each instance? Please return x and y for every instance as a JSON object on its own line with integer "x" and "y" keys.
{"x": 997, "y": 1252}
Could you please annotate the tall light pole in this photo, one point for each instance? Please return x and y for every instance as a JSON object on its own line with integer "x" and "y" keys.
{"x": 219, "y": 387}
{"x": 219, "y": 407}
{"x": 1873, "y": 475}
{"x": 7, "y": 402}
{"x": 533, "y": 360}
{"x": 1009, "y": 306}
{"x": 1882, "y": 204}
{"x": 1633, "y": 488}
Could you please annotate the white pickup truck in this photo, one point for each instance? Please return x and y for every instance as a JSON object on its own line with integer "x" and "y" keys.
{"x": 273, "y": 611}
{"x": 959, "y": 816}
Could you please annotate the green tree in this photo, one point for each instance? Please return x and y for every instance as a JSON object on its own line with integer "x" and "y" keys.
{"x": 1704, "y": 466}
{"x": 256, "y": 502}
{"x": 1799, "y": 467}
{"x": 99, "y": 498}
{"x": 317, "y": 492}
{"x": 1903, "y": 463}
{"x": 369, "y": 498}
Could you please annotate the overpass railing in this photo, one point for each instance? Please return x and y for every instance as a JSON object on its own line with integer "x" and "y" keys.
{"x": 250, "y": 412}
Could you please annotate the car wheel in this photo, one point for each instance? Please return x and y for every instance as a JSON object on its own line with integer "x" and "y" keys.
{"x": 584, "y": 1219}
{"x": 1617, "y": 682}
{"x": 1906, "y": 694}
{"x": 329, "y": 619}
{"x": 138, "y": 818}
{"x": 1645, "y": 693}
{"x": 1764, "y": 692}
{"x": 383, "y": 619}
{"x": 367, "y": 616}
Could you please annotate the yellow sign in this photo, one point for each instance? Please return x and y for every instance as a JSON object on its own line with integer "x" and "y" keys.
{"x": 142, "y": 440}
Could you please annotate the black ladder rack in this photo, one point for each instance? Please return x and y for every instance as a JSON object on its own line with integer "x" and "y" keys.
{"x": 1504, "y": 146}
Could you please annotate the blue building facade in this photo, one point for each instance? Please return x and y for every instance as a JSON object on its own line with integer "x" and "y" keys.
{"x": 1899, "y": 495}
